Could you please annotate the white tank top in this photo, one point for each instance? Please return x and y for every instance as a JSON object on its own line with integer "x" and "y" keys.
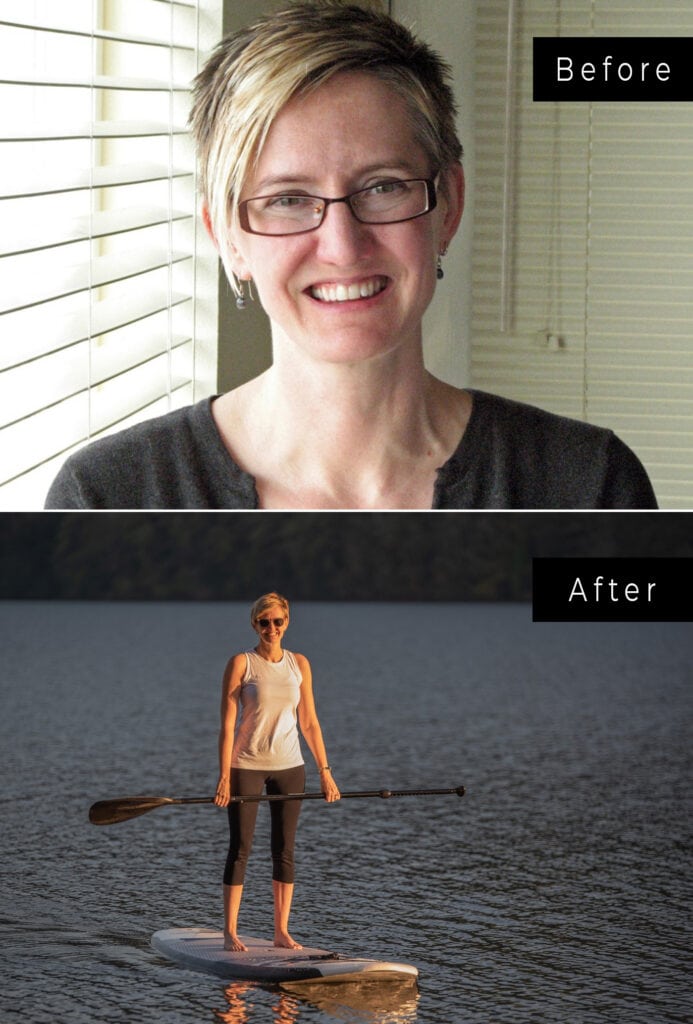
{"x": 267, "y": 736}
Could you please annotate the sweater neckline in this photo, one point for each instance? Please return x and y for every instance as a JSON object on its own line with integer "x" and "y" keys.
{"x": 205, "y": 421}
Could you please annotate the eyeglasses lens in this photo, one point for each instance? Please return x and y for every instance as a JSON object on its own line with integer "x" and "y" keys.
{"x": 264, "y": 623}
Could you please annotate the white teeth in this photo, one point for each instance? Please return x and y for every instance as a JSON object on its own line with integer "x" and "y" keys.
{"x": 344, "y": 292}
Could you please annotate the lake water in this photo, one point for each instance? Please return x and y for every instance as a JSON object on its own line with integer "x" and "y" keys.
{"x": 557, "y": 890}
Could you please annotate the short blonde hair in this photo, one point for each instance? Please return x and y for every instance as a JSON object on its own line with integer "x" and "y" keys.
{"x": 265, "y": 602}
{"x": 254, "y": 73}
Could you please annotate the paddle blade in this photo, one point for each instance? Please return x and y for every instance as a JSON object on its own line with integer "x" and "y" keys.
{"x": 109, "y": 812}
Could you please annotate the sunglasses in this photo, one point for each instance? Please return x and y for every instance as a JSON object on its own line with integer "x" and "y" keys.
{"x": 264, "y": 623}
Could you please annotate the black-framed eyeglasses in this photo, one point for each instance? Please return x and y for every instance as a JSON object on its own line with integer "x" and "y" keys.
{"x": 388, "y": 202}
{"x": 264, "y": 623}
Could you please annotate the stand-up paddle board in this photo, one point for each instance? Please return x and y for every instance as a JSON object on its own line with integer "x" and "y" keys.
{"x": 203, "y": 950}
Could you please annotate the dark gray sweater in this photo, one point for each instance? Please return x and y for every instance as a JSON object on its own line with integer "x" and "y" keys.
{"x": 511, "y": 456}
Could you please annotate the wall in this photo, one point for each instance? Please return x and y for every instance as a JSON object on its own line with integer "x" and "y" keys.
{"x": 448, "y": 25}
{"x": 245, "y": 347}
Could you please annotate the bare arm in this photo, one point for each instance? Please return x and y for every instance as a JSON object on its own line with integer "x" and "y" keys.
{"x": 231, "y": 691}
{"x": 312, "y": 733}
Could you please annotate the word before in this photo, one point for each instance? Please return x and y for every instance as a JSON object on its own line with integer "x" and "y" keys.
{"x": 624, "y": 71}
{"x": 609, "y": 590}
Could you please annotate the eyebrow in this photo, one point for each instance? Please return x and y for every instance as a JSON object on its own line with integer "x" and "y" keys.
{"x": 299, "y": 180}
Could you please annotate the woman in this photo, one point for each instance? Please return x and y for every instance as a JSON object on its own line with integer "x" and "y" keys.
{"x": 331, "y": 180}
{"x": 273, "y": 688}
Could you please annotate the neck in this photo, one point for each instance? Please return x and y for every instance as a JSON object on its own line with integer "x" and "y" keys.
{"x": 270, "y": 652}
{"x": 375, "y": 396}
{"x": 345, "y": 435}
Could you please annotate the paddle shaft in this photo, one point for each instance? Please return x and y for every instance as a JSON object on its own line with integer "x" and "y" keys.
{"x": 383, "y": 793}
{"x": 108, "y": 812}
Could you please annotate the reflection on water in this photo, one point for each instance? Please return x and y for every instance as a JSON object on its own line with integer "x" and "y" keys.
{"x": 360, "y": 1003}
{"x": 241, "y": 998}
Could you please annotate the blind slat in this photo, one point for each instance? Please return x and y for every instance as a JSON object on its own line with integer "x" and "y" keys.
{"x": 37, "y": 132}
{"x": 110, "y": 316}
{"x": 69, "y": 372}
{"x": 117, "y": 37}
{"x": 80, "y": 178}
{"x": 100, "y": 271}
{"x": 70, "y": 328}
{"x": 98, "y": 82}
{"x": 99, "y": 225}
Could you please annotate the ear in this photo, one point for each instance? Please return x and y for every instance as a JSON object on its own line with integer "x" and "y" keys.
{"x": 207, "y": 221}
{"x": 231, "y": 257}
{"x": 454, "y": 200}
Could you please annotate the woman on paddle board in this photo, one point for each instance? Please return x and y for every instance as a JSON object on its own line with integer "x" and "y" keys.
{"x": 267, "y": 694}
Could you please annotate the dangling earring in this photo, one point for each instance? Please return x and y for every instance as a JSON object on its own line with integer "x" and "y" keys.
{"x": 440, "y": 273}
{"x": 241, "y": 302}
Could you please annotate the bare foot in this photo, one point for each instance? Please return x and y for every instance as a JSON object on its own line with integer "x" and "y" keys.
{"x": 234, "y": 944}
{"x": 284, "y": 940}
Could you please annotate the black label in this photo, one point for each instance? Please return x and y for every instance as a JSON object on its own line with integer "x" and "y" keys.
{"x": 612, "y": 589}
{"x": 584, "y": 68}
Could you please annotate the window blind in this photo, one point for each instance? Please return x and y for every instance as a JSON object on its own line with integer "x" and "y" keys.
{"x": 583, "y": 239}
{"x": 107, "y": 284}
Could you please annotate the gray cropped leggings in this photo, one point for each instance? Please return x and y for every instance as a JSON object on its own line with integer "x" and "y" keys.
{"x": 284, "y": 819}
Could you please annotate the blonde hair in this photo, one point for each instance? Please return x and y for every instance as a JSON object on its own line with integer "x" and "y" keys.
{"x": 254, "y": 73}
{"x": 265, "y": 602}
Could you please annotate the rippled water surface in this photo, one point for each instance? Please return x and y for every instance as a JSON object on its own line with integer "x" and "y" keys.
{"x": 557, "y": 890}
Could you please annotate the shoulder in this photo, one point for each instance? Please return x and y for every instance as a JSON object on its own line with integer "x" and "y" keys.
{"x": 154, "y": 436}
{"x": 236, "y": 667}
{"x": 171, "y": 461}
{"x": 506, "y": 414}
{"x": 546, "y": 435}
{"x": 302, "y": 662}
{"x": 116, "y": 470}
{"x": 516, "y": 455}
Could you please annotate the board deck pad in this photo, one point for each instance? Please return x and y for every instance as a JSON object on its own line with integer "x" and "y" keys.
{"x": 203, "y": 950}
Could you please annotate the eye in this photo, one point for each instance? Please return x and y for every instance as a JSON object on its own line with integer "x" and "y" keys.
{"x": 385, "y": 188}
{"x": 289, "y": 202}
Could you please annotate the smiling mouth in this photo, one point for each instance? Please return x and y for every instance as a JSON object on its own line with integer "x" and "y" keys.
{"x": 348, "y": 292}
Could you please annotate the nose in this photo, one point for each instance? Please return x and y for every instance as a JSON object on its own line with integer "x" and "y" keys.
{"x": 342, "y": 239}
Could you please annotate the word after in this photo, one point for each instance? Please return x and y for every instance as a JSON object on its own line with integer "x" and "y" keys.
{"x": 600, "y": 589}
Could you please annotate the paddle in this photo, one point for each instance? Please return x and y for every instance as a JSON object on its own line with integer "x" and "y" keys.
{"x": 108, "y": 812}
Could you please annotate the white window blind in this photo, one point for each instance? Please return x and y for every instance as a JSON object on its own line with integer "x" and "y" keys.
{"x": 107, "y": 284}
{"x": 583, "y": 239}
